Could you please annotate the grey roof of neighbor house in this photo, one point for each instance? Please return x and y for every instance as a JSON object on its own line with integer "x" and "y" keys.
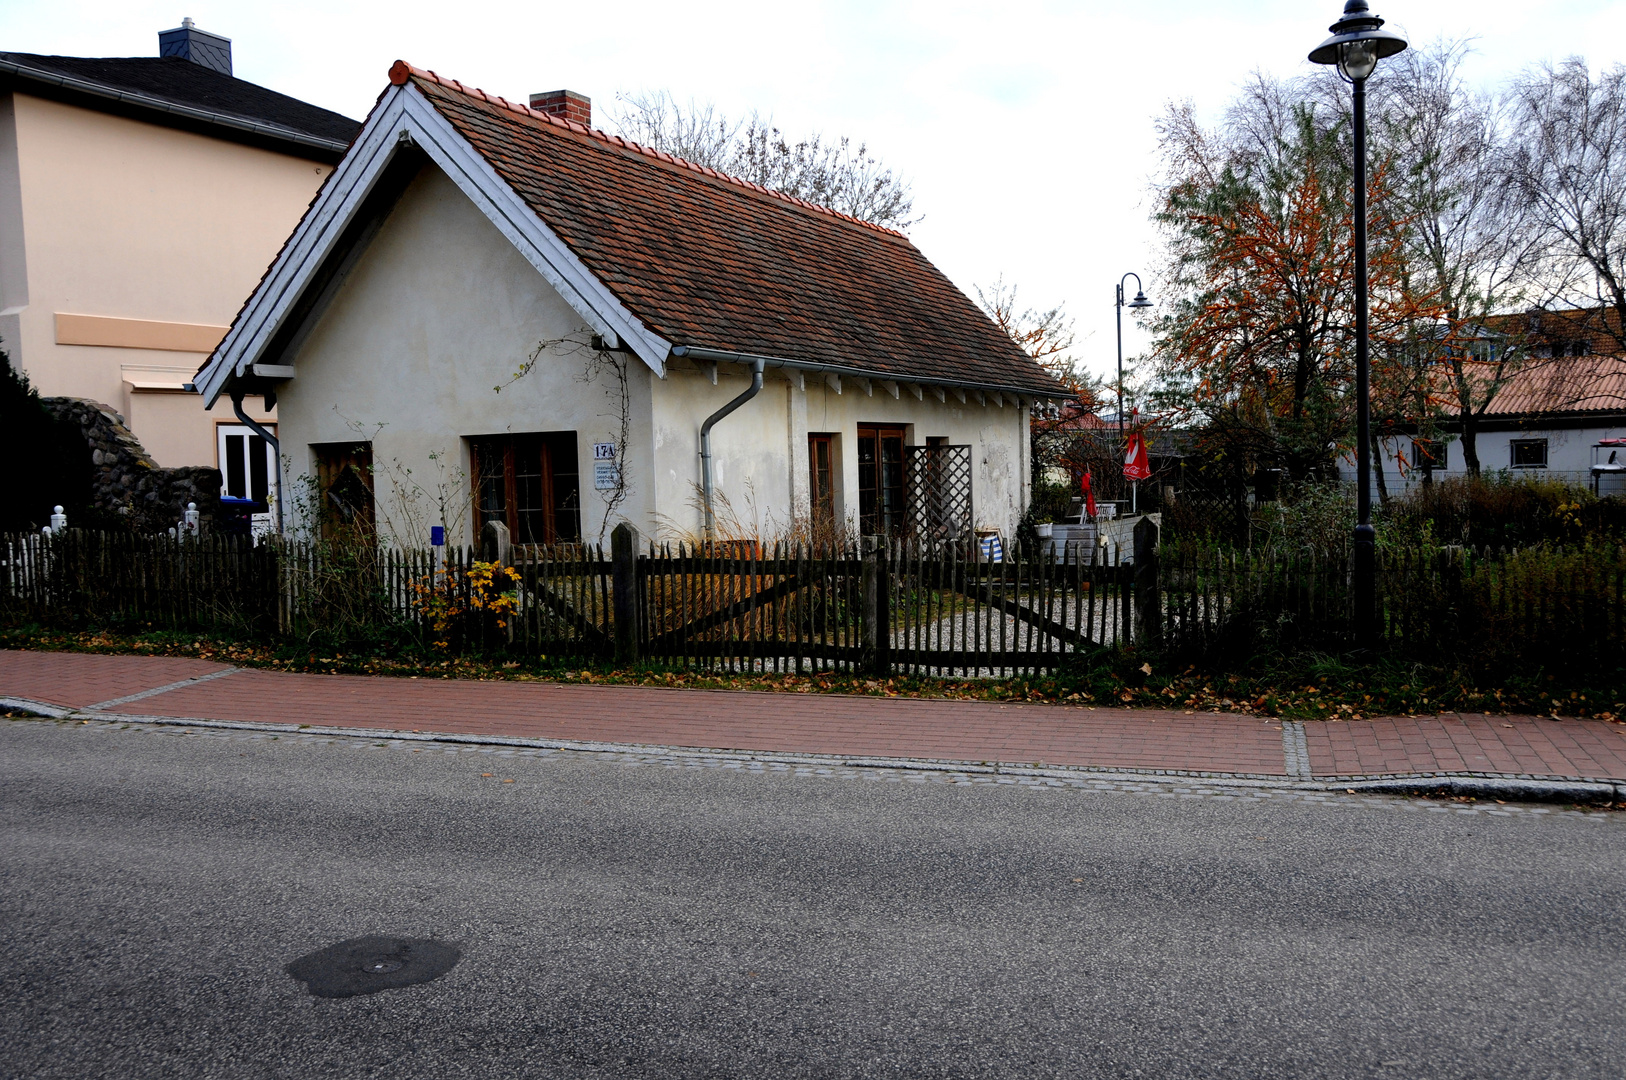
{"x": 179, "y": 93}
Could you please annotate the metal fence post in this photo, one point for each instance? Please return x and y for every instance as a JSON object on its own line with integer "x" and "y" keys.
{"x": 1148, "y": 604}
{"x": 877, "y": 639}
{"x": 624, "y": 590}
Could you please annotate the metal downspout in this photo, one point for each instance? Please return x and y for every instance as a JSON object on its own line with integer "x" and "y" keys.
{"x": 705, "y": 440}
{"x": 276, "y": 448}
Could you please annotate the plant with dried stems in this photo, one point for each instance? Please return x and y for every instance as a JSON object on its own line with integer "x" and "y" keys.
{"x": 609, "y": 370}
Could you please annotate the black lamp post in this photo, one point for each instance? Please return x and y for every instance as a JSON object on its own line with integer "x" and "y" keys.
{"x": 1137, "y": 303}
{"x": 1358, "y": 42}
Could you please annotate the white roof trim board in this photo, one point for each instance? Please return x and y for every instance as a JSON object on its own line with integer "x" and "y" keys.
{"x": 403, "y": 115}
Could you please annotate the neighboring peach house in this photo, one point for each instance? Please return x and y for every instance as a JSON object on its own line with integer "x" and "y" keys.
{"x": 141, "y": 199}
{"x": 495, "y": 314}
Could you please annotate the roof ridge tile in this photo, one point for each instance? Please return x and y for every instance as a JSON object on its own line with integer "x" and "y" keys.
{"x": 401, "y": 71}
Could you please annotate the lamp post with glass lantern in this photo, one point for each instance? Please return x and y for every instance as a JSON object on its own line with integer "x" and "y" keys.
{"x": 1358, "y": 42}
{"x": 1137, "y": 303}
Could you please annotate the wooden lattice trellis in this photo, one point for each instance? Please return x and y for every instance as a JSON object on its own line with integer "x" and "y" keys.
{"x": 937, "y": 491}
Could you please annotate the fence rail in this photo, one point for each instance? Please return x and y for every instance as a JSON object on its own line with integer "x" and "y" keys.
{"x": 885, "y": 607}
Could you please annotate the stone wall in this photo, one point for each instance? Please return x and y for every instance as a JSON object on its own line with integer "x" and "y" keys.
{"x": 125, "y": 481}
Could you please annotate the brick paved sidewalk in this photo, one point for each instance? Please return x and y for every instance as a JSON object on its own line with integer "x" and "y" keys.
{"x": 828, "y": 724}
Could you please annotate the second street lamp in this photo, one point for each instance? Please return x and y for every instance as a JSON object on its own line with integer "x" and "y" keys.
{"x": 1137, "y": 303}
{"x": 1358, "y": 42}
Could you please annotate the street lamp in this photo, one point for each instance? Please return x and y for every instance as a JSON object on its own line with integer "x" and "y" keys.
{"x": 1137, "y": 303}
{"x": 1358, "y": 42}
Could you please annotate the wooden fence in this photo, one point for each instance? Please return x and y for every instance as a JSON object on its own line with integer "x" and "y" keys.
{"x": 880, "y": 608}
{"x": 885, "y": 607}
{"x": 1535, "y": 607}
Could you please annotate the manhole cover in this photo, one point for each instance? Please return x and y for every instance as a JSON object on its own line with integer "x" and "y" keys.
{"x": 366, "y": 965}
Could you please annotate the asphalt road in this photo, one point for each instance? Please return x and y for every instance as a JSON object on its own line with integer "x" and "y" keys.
{"x": 704, "y": 922}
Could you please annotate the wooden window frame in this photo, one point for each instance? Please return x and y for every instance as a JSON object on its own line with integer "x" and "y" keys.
{"x": 878, "y": 434}
{"x": 507, "y": 447}
{"x": 821, "y": 504}
{"x": 328, "y": 472}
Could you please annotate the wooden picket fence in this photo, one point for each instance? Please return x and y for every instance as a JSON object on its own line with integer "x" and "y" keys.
{"x": 1535, "y": 607}
{"x": 885, "y": 607}
{"x": 880, "y": 608}
{"x": 945, "y": 610}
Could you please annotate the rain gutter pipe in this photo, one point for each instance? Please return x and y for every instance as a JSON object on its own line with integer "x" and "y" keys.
{"x": 276, "y": 447}
{"x": 705, "y": 437}
{"x": 724, "y": 356}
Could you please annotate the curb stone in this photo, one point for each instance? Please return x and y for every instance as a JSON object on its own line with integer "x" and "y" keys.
{"x": 1516, "y": 789}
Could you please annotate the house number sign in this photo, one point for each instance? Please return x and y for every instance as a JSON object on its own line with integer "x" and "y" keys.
{"x": 606, "y": 473}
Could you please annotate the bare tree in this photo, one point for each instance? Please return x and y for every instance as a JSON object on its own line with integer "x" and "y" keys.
{"x": 836, "y": 174}
{"x": 1046, "y": 334}
{"x": 1468, "y": 236}
{"x": 1569, "y": 166}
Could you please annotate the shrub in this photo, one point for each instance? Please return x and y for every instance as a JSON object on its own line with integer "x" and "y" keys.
{"x": 1504, "y": 510}
{"x": 58, "y": 468}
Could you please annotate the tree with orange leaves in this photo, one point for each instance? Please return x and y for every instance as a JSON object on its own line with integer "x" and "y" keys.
{"x": 1258, "y": 346}
{"x": 1047, "y": 335}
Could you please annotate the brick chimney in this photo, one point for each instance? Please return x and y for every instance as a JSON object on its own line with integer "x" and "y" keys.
{"x": 199, "y": 46}
{"x": 565, "y": 104}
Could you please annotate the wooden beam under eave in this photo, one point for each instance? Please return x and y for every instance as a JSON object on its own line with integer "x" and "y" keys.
{"x": 833, "y": 380}
{"x": 891, "y": 387}
{"x": 709, "y": 369}
{"x": 982, "y": 398}
{"x": 917, "y": 390}
{"x": 865, "y": 385}
{"x": 959, "y": 392}
{"x": 796, "y": 378}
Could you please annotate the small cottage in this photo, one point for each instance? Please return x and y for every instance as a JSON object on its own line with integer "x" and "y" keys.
{"x": 494, "y": 312}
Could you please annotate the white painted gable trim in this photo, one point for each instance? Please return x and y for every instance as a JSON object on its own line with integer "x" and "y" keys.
{"x": 406, "y": 116}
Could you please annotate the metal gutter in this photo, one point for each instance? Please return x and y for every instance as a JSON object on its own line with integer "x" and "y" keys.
{"x": 276, "y": 447}
{"x": 705, "y": 439}
{"x": 695, "y": 352}
{"x": 131, "y": 97}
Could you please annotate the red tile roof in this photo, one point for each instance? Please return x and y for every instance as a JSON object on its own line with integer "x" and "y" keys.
{"x": 712, "y": 261}
{"x": 1577, "y": 384}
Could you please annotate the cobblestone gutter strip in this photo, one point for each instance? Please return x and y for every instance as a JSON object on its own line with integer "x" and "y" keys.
{"x": 1480, "y": 785}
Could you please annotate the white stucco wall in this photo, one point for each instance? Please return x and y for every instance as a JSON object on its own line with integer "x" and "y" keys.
{"x": 760, "y": 457}
{"x": 1569, "y": 455}
{"x": 438, "y": 312}
{"x": 117, "y": 219}
{"x": 441, "y": 309}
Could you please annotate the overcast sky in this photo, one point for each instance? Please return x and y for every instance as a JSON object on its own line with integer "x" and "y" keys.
{"x": 1025, "y": 128}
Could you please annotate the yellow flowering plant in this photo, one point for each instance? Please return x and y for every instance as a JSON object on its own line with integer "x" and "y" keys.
{"x": 445, "y": 599}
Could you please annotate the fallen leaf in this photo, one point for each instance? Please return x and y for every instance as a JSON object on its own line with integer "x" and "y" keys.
{"x": 508, "y": 781}
{"x": 1146, "y": 669}
{"x": 485, "y": 774}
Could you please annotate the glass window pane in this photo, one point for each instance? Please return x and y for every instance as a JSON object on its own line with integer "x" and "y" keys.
{"x": 236, "y": 473}
{"x": 259, "y": 481}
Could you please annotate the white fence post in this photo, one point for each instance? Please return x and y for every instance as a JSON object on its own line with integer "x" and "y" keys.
{"x": 59, "y": 521}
